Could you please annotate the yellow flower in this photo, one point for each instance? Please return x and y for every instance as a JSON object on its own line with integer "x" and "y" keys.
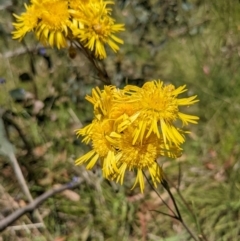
{"x": 140, "y": 156}
{"x": 102, "y": 101}
{"x": 122, "y": 105}
{"x": 133, "y": 127}
{"x": 26, "y": 22}
{"x": 49, "y": 19}
{"x": 98, "y": 27}
{"x": 56, "y": 21}
{"x": 97, "y": 132}
{"x": 52, "y": 28}
{"x": 159, "y": 111}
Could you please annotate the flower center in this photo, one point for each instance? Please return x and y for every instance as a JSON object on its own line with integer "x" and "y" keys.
{"x": 55, "y": 14}
{"x": 97, "y": 28}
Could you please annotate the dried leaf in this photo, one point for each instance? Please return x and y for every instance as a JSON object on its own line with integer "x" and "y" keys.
{"x": 69, "y": 194}
{"x": 60, "y": 239}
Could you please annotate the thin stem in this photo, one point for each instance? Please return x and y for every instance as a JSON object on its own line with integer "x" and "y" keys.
{"x": 187, "y": 206}
{"x": 102, "y": 73}
{"x": 169, "y": 208}
{"x": 166, "y": 186}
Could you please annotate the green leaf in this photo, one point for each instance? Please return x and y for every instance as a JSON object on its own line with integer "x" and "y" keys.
{"x": 5, "y": 146}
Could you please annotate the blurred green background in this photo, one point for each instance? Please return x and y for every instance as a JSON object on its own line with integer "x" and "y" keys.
{"x": 42, "y": 91}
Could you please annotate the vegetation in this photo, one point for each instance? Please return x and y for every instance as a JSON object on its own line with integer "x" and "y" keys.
{"x": 42, "y": 103}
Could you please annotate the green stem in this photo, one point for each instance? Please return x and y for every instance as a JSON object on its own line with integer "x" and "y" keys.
{"x": 166, "y": 186}
{"x": 188, "y": 208}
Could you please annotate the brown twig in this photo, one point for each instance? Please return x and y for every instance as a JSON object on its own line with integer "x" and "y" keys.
{"x": 36, "y": 202}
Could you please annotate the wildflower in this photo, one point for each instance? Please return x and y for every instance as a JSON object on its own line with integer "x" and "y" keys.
{"x": 159, "y": 111}
{"x": 98, "y": 28}
{"x": 26, "y": 22}
{"x": 49, "y": 19}
{"x": 52, "y": 28}
{"x": 133, "y": 127}
{"x": 97, "y": 132}
{"x": 141, "y": 156}
{"x": 56, "y": 21}
{"x": 102, "y": 101}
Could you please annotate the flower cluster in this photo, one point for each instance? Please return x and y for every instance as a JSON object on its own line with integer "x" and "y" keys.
{"x": 55, "y": 21}
{"x": 134, "y": 126}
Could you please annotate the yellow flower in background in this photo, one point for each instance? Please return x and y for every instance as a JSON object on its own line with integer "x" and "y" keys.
{"x": 53, "y": 23}
{"x": 99, "y": 28}
{"x": 133, "y": 127}
{"x": 159, "y": 111}
{"x": 49, "y": 19}
{"x": 26, "y": 22}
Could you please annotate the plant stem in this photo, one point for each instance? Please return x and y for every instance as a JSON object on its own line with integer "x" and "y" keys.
{"x": 166, "y": 187}
{"x": 102, "y": 73}
{"x": 188, "y": 207}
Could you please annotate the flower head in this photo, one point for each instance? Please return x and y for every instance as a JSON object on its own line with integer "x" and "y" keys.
{"x": 97, "y": 132}
{"x": 102, "y": 101}
{"x": 55, "y": 21}
{"x": 49, "y": 19}
{"x": 98, "y": 27}
{"x": 140, "y": 157}
{"x": 26, "y": 22}
{"x": 52, "y": 28}
{"x": 159, "y": 111}
{"x": 133, "y": 127}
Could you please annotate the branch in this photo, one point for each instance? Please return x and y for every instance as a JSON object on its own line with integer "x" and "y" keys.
{"x": 4, "y": 223}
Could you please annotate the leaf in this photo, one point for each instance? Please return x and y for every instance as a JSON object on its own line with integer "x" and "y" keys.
{"x": 69, "y": 194}
{"x": 5, "y": 146}
{"x": 18, "y": 94}
{"x": 60, "y": 239}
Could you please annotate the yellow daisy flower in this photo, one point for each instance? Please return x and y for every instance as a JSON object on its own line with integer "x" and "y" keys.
{"x": 140, "y": 156}
{"x": 133, "y": 127}
{"x": 159, "y": 111}
{"x": 54, "y": 21}
{"x": 122, "y": 104}
{"x": 26, "y": 22}
{"x": 102, "y": 101}
{"x": 99, "y": 28}
{"x": 97, "y": 132}
{"x": 49, "y": 19}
